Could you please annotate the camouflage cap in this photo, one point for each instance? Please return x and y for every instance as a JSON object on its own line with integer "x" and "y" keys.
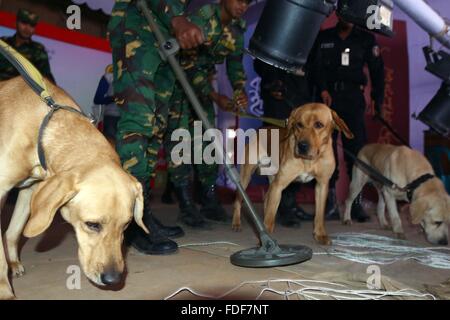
{"x": 27, "y": 16}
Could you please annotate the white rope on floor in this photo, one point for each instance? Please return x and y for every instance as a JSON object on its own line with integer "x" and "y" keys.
{"x": 323, "y": 289}
{"x": 204, "y": 244}
{"x": 385, "y": 250}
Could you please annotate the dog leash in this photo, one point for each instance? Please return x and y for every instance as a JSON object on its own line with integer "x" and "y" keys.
{"x": 380, "y": 178}
{"x": 34, "y": 79}
{"x": 380, "y": 118}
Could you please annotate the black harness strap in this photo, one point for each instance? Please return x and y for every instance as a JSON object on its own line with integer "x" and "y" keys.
{"x": 372, "y": 172}
{"x": 53, "y": 108}
{"x": 410, "y": 188}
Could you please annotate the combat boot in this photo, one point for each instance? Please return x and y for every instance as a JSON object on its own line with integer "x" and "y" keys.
{"x": 211, "y": 207}
{"x": 156, "y": 242}
{"x": 189, "y": 215}
{"x": 358, "y": 213}
{"x": 287, "y": 210}
{"x": 166, "y": 197}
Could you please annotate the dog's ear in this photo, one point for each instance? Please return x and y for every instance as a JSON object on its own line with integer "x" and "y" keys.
{"x": 340, "y": 125}
{"x": 49, "y": 196}
{"x": 138, "y": 211}
{"x": 417, "y": 210}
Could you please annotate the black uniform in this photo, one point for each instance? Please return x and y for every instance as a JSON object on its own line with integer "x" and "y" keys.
{"x": 339, "y": 69}
{"x": 294, "y": 89}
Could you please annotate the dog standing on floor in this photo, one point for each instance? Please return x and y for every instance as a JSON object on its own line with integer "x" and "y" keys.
{"x": 429, "y": 202}
{"x": 84, "y": 180}
{"x": 305, "y": 153}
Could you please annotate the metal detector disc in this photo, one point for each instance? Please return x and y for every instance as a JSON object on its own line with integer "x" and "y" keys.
{"x": 282, "y": 256}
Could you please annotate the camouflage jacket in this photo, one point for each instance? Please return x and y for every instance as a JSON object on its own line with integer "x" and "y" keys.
{"x": 129, "y": 32}
{"x": 222, "y": 43}
{"x": 33, "y": 51}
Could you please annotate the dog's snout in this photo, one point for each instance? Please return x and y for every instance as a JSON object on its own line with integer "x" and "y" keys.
{"x": 443, "y": 242}
{"x": 303, "y": 147}
{"x": 111, "y": 278}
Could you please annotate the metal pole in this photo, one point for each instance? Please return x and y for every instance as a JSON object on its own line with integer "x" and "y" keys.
{"x": 179, "y": 72}
{"x": 269, "y": 254}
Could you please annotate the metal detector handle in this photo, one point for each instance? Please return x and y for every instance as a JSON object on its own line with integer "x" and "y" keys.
{"x": 179, "y": 72}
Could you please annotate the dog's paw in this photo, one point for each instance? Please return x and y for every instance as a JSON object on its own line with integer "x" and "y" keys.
{"x": 6, "y": 291}
{"x": 17, "y": 269}
{"x": 400, "y": 235}
{"x": 323, "y": 239}
{"x": 236, "y": 227}
{"x": 347, "y": 222}
{"x": 385, "y": 226}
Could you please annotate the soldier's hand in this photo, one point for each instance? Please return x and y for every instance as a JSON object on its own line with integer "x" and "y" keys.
{"x": 224, "y": 103}
{"x": 326, "y": 98}
{"x": 241, "y": 101}
{"x": 188, "y": 34}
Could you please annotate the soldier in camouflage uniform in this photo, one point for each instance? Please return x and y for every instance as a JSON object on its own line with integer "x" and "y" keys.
{"x": 143, "y": 86}
{"x": 21, "y": 41}
{"x": 224, "y": 41}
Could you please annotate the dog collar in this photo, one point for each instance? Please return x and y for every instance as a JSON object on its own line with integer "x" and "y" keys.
{"x": 53, "y": 108}
{"x": 410, "y": 188}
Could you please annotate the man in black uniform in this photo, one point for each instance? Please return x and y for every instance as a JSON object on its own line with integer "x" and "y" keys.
{"x": 340, "y": 56}
{"x": 281, "y": 92}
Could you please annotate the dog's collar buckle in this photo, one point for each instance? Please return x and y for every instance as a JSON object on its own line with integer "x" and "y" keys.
{"x": 411, "y": 187}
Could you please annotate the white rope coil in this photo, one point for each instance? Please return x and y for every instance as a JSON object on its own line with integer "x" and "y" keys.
{"x": 384, "y": 250}
{"x": 323, "y": 289}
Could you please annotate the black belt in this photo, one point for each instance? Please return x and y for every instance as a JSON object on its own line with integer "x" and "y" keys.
{"x": 345, "y": 86}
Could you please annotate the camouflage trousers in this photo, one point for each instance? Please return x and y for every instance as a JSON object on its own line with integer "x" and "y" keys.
{"x": 180, "y": 173}
{"x": 147, "y": 112}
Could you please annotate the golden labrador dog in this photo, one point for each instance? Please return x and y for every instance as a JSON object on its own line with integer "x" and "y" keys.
{"x": 430, "y": 203}
{"x": 84, "y": 180}
{"x": 305, "y": 153}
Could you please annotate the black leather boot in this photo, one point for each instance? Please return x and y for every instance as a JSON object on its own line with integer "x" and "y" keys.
{"x": 287, "y": 210}
{"x": 332, "y": 207}
{"x": 189, "y": 215}
{"x": 166, "y": 197}
{"x": 358, "y": 213}
{"x": 211, "y": 207}
{"x": 156, "y": 242}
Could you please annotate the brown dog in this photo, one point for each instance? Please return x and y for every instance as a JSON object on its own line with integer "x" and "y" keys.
{"x": 430, "y": 203}
{"x": 84, "y": 180}
{"x": 305, "y": 153}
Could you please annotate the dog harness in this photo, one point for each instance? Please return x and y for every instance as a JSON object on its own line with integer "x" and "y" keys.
{"x": 411, "y": 187}
{"x": 34, "y": 79}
